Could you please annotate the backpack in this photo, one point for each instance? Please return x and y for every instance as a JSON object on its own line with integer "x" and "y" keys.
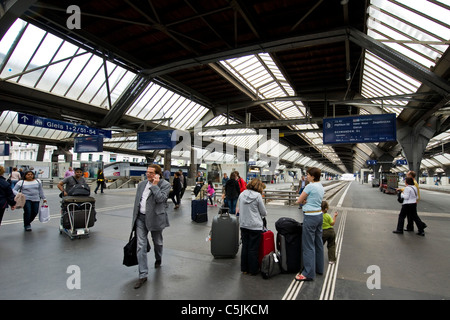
{"x": 270, "y": 265}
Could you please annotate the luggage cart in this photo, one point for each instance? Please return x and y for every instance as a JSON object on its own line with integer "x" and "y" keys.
{"x": 76, "y": 217}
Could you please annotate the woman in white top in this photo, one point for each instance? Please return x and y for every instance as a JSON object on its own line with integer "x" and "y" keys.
{"x": 33, "y": 191}
{"x": 409, "y": 208}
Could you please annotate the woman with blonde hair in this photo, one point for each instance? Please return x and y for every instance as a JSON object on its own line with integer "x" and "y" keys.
{"x": 252, "y": 214}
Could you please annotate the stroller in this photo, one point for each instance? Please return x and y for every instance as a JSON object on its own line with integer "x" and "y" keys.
{"x": 77, "y": 216}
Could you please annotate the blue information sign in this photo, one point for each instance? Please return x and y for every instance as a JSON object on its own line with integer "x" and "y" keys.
{"x": 360, "y": 129}
{"x": 61, "y": 125}
{"x": 155, "y": 140}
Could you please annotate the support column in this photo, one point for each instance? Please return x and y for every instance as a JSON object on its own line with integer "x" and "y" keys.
{"x": 41, "y": 152}
{"x": 167, "y": 159}
{"x": 415, "y": 140}
{"x": 68, "y": 156}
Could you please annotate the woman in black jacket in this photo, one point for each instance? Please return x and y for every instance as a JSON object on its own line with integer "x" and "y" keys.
{"x": 6, "y": 195}
{"x": 232, "y": 191}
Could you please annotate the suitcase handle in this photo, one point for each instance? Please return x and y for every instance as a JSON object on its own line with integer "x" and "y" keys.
{"x": 224, "y": 212}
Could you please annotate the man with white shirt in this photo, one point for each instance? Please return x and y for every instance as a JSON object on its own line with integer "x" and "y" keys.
{"x": 150, "y": 214}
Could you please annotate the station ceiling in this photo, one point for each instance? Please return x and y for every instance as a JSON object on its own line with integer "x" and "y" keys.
{"x": 233, "y": 67}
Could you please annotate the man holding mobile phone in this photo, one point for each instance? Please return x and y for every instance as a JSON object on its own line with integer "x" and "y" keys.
{"x": 149, "y": 214}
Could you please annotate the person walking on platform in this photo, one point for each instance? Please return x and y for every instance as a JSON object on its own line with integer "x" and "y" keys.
{"x": 6, "y": 194}
{"x": 100, "y": 181}
{"x": 409, "y": 208}
{"x": 149, "y": 214}
{"x": 328, "y": 234}
{"x": 242, "y": 183}
{"x": 312, "y": 243}
{"x": 211, "y": 192}
{"x": 176, "y": 190}
{"x": 33, "y": 191}
{"x": 15, "y": 177}
{"x": 251, "y": 214}
{"x": 183, "y": 183}
{"x": 409, "y": 219}
{"x": 231, "y": 194}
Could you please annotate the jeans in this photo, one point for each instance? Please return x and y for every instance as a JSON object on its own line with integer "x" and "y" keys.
{"x": 312, "y": 245}
{"x": 250, "y": 250}
{"x": 231, "y": 203}
{"x": 30, "y": 211}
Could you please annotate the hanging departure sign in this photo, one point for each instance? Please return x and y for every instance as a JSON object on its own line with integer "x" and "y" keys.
{"x": 360, "y": 129}
{"x": 36, "y": 121}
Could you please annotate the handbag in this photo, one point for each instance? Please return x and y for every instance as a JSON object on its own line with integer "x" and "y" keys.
{"x": 20, "y": 198}
{"x": 129, "y": 251}
{"x": 44, "y": 213}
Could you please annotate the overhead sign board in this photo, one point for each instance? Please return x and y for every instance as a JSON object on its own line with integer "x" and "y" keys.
{"x": 155, "y": 140}
{"x": 61, "y": 125}
{"x": 360, "y": 129}
{"x": 88, "y": 144}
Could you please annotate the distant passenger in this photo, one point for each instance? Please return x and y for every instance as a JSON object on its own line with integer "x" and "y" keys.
{"x": 69, "y": 172}
{"x": 252, "y": 213}
{"x": 242, "y": 183}
{"x": 211, "y": 192}
{"x": 409, "y": 208}
{"x": 6, "y": 194}
{"x": 301, "y": 186}
{"x": 100, "y": 181}
{"x": 231, "y": 194}
{"x": 312, "y": 243}
{"x": 328, "y": 234}
{"x": 15, "y": 177}
{"x": 176, "y": 190}
{"x": 166, "y": 174}
{"x": 183, "y": 183}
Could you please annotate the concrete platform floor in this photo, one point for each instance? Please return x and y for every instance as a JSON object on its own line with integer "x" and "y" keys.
{"x": 374, "y": 263}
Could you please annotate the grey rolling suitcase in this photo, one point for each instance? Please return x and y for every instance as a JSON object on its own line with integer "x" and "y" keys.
{"x": 224, "y": 235}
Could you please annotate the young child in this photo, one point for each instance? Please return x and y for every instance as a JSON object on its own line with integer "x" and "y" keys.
{"x": 211, "y": 193}
{"x": 328, "y": 234}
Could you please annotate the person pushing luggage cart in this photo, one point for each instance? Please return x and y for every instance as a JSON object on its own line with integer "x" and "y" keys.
{"x": 77, "y": 207}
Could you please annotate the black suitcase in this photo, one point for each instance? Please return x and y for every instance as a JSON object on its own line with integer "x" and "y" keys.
{"x": 224, "y": 235}
{"x": 199, "y": 210}
{"x": 289, "y": 244}
{"x": 82, "y": 209}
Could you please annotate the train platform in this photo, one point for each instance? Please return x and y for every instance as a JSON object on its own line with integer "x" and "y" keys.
{"x": 373, "y": 263}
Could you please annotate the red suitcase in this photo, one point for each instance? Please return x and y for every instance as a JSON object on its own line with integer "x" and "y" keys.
{"x": 267, "y": 244}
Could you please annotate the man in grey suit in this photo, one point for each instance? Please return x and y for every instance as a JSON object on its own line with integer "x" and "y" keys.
{"x": 150, "y": 214}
